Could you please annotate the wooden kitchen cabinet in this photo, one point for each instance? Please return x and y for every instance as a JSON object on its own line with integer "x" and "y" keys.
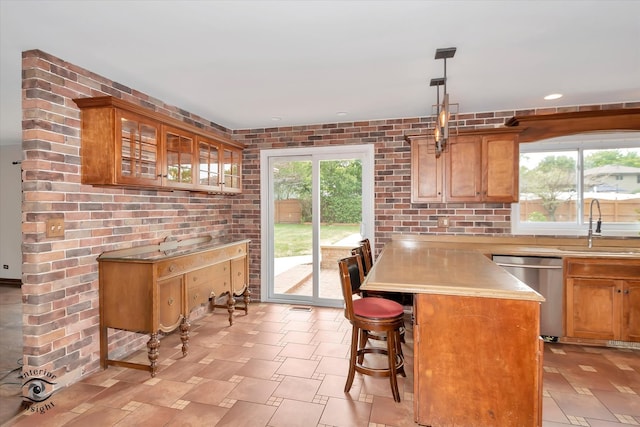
{"x": 426, "y": 172}
{"x": 500, "y": 167}
{"x": 231, "y": 169}
{"x": 463, "y": 173}
{"x": 179, "y": 151}
{"x": 121, "y": 147}
{"x": 479, "y": 166}
{"x": 603, "y": 298}
{"x": 209, "y": 164}
{"x": 124, "y": 144}
{"x": 153, "y": 291}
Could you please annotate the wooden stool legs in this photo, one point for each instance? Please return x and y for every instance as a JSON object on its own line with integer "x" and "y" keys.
{"x": 393, "y": 352}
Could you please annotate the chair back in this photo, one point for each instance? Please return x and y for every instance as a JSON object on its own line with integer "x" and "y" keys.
{"x": 351, "y": 277}
{"x": 365, "y": 244}
{"x": 359, "y": 251}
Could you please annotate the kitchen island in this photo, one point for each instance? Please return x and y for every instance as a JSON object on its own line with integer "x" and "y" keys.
{"x": 478, "y": 354}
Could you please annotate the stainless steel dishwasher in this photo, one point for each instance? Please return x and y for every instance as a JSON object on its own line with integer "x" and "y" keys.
{"x": 544, "y": 275}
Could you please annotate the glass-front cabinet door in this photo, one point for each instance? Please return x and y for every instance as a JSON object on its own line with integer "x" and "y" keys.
{"x": 232, "y": 172}
{"x": 208, "y": 165}
{"x": 179, "y": 152}
{"x": 137, "y": 150}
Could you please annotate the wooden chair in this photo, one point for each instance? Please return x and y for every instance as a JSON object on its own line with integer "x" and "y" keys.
{"x": 367, "y": 263}
{"x": 367, "y": 255}
{"x": 378, "y": 315}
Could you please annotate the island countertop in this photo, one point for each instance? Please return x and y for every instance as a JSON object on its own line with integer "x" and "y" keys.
{"x": 413, "y": 266}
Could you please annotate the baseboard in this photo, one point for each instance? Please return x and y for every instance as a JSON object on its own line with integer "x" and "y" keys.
{"x": 10, "y": 282}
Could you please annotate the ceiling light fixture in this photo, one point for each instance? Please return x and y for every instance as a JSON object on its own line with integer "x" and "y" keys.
{"x": 442, "y": 129}
{"x": 341, "y": 113}
{"x": 552, "y": 96}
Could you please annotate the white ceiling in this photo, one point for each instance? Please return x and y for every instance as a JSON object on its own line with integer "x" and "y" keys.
{"x": 241, "y": 63}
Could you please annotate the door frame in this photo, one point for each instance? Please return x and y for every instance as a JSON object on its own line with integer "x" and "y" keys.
{"x": 364, "y": 152}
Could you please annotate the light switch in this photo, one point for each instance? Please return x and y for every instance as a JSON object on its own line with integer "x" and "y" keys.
{"x": 55, "y": 227}
{"x": 443, "y": 221}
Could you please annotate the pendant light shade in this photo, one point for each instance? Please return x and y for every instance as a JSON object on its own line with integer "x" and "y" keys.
{"x": 442, "y": 109}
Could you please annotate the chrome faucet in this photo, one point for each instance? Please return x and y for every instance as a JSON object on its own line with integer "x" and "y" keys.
{"x": 598, "y": 224}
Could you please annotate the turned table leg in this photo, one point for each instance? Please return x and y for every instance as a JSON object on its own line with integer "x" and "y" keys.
{"x": 185, "y": 326}
{"x": 247, "y": 300}
{"x": 153, "y": 345}
{"x": 231, "y": 306}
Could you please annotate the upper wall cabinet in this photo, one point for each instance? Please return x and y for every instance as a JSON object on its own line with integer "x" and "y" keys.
{"x": 126, "y": 145}
{"x": 479, "y": 166}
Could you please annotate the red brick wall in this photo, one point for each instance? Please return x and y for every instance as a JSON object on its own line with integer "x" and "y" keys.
{"x": 394, "y": 212}
{"x": 60, "y": 276}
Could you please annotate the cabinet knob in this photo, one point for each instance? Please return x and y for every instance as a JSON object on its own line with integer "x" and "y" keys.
{"x": 170, "y": 301}
{"x": 619, "y": 290}
{"x": 626, "y": 292}
{"x": 172, "y": 267}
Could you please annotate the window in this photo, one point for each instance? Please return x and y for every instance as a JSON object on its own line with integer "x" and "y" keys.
{"x": 560, "y": 178}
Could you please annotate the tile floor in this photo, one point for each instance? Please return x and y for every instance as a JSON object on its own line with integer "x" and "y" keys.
{"x": 279, "y": 366}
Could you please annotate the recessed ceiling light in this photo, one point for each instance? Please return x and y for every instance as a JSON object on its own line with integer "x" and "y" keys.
{"x": 553, "y": 96}
{"x": 341, "y": 113}
{"x": 276, "y": 118}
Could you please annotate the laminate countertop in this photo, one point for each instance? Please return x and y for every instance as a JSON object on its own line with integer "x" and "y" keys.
{"x": 414, "y": 266}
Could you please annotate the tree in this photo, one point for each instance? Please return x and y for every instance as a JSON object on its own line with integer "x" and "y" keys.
{"x": 551, "y": 178}
{"x": 340, "y": 188}
{"x": 611, "y": 157}
{"x": 292, "y": 180}
{"x": 341, "y": 191}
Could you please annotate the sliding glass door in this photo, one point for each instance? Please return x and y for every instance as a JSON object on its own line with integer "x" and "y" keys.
{"x": 317, "y": 203}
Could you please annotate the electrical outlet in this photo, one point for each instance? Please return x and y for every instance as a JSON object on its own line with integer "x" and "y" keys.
{"x": 443, "y": 222}
{"x": 55, "y": 227}
{"x": 5, "y": 266}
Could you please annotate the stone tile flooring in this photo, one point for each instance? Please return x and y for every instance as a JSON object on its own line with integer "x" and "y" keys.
{"x": 279, "y": 366}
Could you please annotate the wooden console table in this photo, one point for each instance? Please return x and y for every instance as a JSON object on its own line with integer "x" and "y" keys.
{"x": 154, "y": 289}
{"x": 477, "y": 350}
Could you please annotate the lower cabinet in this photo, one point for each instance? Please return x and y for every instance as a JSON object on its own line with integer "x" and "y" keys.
{"x": 151, "y": 293}
{"x": 603, "y": 298}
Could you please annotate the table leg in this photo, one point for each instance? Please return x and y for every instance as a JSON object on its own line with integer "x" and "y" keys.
{"x": 153, "y": 345}
{"x": 185, "y": 327}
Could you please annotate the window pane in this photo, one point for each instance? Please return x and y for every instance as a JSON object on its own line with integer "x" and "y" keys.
{"x": 612, "y": 176}
{"x": 548, "y": 186}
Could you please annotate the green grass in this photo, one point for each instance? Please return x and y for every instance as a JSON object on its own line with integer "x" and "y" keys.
{"x": 295, "y": 239}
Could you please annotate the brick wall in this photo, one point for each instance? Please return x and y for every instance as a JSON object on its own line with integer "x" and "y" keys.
{"x": 394, "y": 212}
{"x": 60, "y": 279}
{"x": 60, "y": 276}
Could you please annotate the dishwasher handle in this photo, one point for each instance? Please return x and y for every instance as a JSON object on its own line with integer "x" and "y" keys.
{"x": 536, "y": 266}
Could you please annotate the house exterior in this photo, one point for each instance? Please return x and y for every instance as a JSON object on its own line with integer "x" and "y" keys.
{"x": 613, "y": 178}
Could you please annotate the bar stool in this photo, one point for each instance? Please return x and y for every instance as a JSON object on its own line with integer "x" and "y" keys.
{"x": 378, "y": 315}
{"x": 366, "y": 256}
